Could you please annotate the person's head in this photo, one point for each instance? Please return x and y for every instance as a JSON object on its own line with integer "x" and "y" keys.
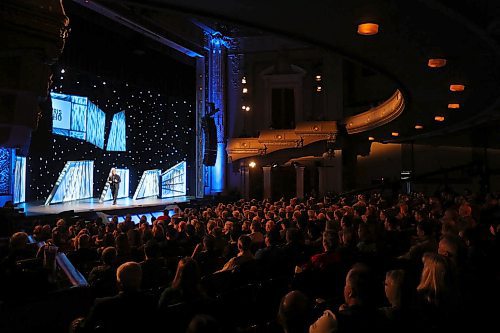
{"x": 122, "y": 244}
{"x": 436, "y": 279}
{"x": 394, "y": 283}
{"x": 424, "y": 229}
{"x": 294, "y": 312}
{"x": 270, "y": 226}
{"x": 272, "y": 239}
{"x": 202, "y": 323}
{"x": 244, "y": 243}
{"x": 129, "y": 276}
{"x": 113, "y": 171}
{"x": 108, "y": 256}
{"x": 451, "y": 247}
{"x": 329, "y": 241}
{"x": 187, "y": 276}
{"x": 151, "y": 250}
{"x": 465, "y": 210}
{"x": 209, "y": 243}
{"x": 83, "y": 241}
{"x": 18, "y": 241}
{"x": 359, "y": 286}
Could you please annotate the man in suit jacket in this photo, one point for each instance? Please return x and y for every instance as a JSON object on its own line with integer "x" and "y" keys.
{"x": 114, "y": 180}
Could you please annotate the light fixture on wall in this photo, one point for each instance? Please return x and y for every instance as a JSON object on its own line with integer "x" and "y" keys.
{"x": 439, "y": 118}
{"x": 419, "y": 127}
{"x": 318, "y": 78}
{"x": 368, "y": 29}
{"x": 244, "y": 80}
{"x": 453, "y": 106}
{"x": 318, "y": 89}
{"x": 245, "y": 90}
{"x": 457, "y": 87}
{"x": 252, "y": 164}
{"x": 436, "y": 62}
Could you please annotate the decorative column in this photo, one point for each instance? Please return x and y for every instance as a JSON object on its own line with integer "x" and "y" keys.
{"x": 216, "y": 45}
{"x": 245, "y": 181}
{"x": 299, "y": 176}
{"x": 267, "y": 182}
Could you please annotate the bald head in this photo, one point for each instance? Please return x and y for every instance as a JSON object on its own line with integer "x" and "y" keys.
{"x": 294, "y": 311}
{"x": 129, "y": 276}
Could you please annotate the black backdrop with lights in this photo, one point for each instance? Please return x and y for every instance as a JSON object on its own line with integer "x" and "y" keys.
{"x": 118, "y": 70}
{"x": 159, "y": 131}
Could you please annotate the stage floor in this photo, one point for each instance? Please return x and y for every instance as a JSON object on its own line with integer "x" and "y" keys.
{"x": 85, "y": 205}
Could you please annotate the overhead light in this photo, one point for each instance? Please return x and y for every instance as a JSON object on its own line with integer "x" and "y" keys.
{"x": 395, "y": 134}
{"x": 244, "y": 80}
{"x": 318, "y": 88}
{"x": 436, "y": 62}
{"x": 247, "y": 108}
{"x": 368, "y": 29}
{"x": 457, "y": 87}
{"x": 245, "y": 90}
{"x": 243, "y": 107}
{"x": 439, "y": 118}
{"x": 63, "y": 71}
{"x": 252, "y": 164}
{"x": 419, "y": 127}
{"x": 371, "y": 138}
{"x": 453, "y": 106}
{"x": 318, "y": 77}
{"x": 274, "y": 165}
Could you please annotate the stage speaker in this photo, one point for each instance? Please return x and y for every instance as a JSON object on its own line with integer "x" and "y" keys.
{"x": 210, "y": 153}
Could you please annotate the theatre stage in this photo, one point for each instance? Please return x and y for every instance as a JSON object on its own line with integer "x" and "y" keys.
{"x": 85, "y": 205}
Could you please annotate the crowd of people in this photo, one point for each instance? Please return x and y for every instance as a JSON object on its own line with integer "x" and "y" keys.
{"x": 350, "y": 264}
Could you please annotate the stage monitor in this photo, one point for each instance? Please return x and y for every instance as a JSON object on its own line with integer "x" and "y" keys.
{"x": 173, "y": 181}
{"x": 77, "y": 117}
{"x": 117, "y": 140}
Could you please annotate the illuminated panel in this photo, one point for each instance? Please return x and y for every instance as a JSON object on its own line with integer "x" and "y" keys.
{"x": 5, "y": 171}
{"x": 148, "y": 185}
{"x": 173, "y": 181}
{"x": 69, "y": 115}
{"x": 122, "y": 190}
{"x": 95, "y": 125}
{"x": 117, "y": 139}
{"x": 20, "y": 180}
{"x": 75, "y": 182}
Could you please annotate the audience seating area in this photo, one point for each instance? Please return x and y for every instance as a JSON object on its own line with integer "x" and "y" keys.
{"x": 411, "y": 263}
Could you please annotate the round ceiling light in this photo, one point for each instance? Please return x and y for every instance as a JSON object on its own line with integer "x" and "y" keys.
{"x": 368, "y": 29}
{"x": 436, "y": 62}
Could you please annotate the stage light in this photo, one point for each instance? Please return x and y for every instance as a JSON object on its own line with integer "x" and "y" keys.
{"x": 453, "y": 106}
{"x": 436, "y": 62}
{"x": 419, "y": 127}
{"x": 244, "y": 80}
{"x": 247, "y": 108}
{"x": 439, "y": 118}
{"x": 318, "y": 78}
{"x": 457, "y": 87}
{"x": 252, "y": 164}
{"x": 395, "y": 134}
{"x": 243, "y": 107}
{"x": 368, "y": 29}
{"x": 371, "y": 138}
{"x": 245, "y": 90}
{"x": 63, "y": 71}
{"x": 318, "y": 88}
{"x": 104, "y": 82}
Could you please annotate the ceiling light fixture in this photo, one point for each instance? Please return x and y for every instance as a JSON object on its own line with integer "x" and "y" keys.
{"x": 457, "y": 87}
{"x": 371, "y": 138}
{"x": 436, "y": 62}
{"x": 439, "y": 118}
{"x": 368, "y": 29}
{"x": 252, "y": 164}
{"x": 395, "y": 134}
{"x": 453, "y": 106}
{"x": 419, "y": 127}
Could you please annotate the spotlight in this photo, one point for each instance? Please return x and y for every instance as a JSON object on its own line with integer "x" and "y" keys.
{"x": 395, "y": 134}
{"x": 245, "y": 90}
{"x": 318, "y": 88}
{"x": 436, "y": 62}
{"x": 243, "y": 107}
{"x": 244, "y": 80}
{"x": 63, "y": 71}
{"x": 252, "y": 164}
{"x": 247, "y": 108}
{"x": 318, "y": 78}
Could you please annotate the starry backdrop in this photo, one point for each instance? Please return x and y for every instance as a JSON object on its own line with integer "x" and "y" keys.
{"x": 159, "y": 133}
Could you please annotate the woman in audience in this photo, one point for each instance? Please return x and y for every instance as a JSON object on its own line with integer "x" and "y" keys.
{"x": 244, "y": 254}
{"x": 185, "y": 286}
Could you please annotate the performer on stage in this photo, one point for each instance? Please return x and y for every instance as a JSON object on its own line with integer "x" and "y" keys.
{"x": 114, "y": 180}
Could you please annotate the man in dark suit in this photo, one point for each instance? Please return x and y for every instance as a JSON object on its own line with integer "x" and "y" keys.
{"x": 114, "y": 180}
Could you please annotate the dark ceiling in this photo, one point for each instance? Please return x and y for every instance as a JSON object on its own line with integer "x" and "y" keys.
{"x": 466, "y": 33}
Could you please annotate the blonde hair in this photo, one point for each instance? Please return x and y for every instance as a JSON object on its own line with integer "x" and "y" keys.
{"x": 436, "y": 281}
